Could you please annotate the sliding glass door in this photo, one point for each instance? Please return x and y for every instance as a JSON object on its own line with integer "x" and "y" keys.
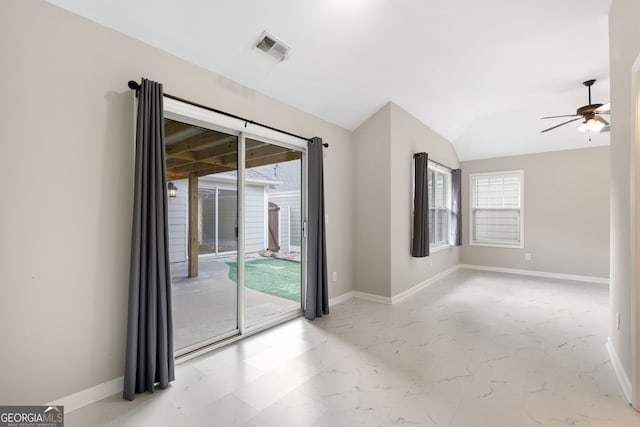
{"x": 231, "y": 194}
{"x": 203, "y": 222}
{"x": 273, "y": 232}
{"x": 217, "y": 217}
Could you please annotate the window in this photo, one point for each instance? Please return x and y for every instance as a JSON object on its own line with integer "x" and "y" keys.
{"x": 497, "y": 209}
{"x": 439, "y": 187}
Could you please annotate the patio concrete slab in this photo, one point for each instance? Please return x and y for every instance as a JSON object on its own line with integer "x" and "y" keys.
{"x": 205, "y": 306}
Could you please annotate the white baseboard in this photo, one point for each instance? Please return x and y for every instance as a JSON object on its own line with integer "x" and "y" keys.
{"x": 623, "y": 379}
{"x": 93, "y": 394}
{"x": 562, "y": 276}
{"x": 416, "y": 288}
{"x": 341, "y": 298}
{"x": 372, "y": 297}
{"x": 396, "y": 298}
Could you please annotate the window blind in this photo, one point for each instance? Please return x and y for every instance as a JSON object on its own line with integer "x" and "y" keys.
{"x": 496, "y": 208}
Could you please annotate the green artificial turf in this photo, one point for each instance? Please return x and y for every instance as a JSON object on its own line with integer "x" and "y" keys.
{"x": 271, "y": 276}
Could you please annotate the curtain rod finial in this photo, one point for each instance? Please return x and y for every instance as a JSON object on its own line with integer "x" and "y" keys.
{"x": 324, "y": 144}
{"x": 133, "y": 85}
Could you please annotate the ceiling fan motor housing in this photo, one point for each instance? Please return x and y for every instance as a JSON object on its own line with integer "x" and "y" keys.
{"x": 588, "y": 109}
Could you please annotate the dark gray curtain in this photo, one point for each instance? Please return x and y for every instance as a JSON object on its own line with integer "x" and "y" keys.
{"x": 455, "y": 238}
{"x": 317, "y": 295}
{"x": 149, "y": 354}
{"x": 420, "y": 240}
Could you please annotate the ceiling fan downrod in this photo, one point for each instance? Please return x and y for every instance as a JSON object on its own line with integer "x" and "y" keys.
{"x": 588, "y": 84}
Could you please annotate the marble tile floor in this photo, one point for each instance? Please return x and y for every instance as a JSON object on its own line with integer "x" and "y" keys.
{"x": 476, "y": 349}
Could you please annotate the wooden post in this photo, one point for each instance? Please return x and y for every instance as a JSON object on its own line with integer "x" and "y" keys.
{"x": 193, "y": 224}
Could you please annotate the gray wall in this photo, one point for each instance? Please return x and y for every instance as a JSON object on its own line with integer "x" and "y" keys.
{"x": 67, "y": 115}
{"x": 566, "y": 213}
{"x": 409, "y": 136}
{"x": 372, "y": 205}
{"x": 624, "y": 48}
{"x": 384, "y": 202}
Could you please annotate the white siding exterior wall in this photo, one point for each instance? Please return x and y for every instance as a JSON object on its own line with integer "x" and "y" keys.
{"x": 285, "y": 235}
{"x": 177, "y": 215}
{"x": 256, "y": 217}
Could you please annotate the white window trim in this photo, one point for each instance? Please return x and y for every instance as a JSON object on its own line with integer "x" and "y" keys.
{"x": 520, "y": 245}
{"x": 431, "y": 166}
{"x": 440, "y": 248}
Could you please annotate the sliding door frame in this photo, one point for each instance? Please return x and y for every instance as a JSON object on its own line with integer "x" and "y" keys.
{"x": 190, "y": 114}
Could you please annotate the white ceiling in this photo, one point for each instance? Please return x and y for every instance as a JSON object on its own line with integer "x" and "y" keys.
{"x": 480, "y": 73}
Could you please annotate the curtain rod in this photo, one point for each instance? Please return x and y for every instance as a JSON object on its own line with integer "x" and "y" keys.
{"x": 133, "y": 85}
{"x": 433, "y": 161}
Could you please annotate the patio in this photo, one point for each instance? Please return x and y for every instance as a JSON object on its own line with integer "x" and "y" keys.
{"x": 206, "y": 306}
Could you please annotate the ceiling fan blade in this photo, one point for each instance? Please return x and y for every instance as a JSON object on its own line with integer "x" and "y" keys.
{"x": 604, "y": 109}
{"x": 601, "y": 120}
{"x": 561, "y": 124}
{"x": 606, "y": 129}
{"x": 557, "y": 117}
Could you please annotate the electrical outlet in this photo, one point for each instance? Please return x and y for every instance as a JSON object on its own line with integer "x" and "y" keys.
{"x": 618, "y": 321}
{"x": 527, "y": 256}
{"x": 334, "y": 276}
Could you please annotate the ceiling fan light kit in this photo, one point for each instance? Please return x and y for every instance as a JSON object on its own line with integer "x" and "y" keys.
{"x": 591, "y": 125}
{"x": 589, "y": 114}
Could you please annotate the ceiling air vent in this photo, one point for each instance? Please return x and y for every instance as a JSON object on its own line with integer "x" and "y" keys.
{"x": 273, "y": 46}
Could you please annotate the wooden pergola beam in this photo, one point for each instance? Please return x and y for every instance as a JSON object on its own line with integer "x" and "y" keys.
{"x": 264, "y": 150}
{"x": 172, "y": 175}
{"x": 215, "y": 170}
{"x": 181, "y": 165}
{"x": 191, "y": 157}
{"x": 274, "y": 158}
{"x": 174, "y": 162}
{"x": 194, "y": 167}
{"x": 223, "y": 149}
{"x": 172, "y": 128}
{"x": 199, "y": 141}
{"x": 185, "y": 155}
{"x": 175, "y": 177}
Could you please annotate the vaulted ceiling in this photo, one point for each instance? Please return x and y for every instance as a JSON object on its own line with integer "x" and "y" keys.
{"x": 480, "y": 73}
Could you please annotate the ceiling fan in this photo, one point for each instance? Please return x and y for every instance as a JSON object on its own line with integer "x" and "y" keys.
{"x": 589, "y": 114}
